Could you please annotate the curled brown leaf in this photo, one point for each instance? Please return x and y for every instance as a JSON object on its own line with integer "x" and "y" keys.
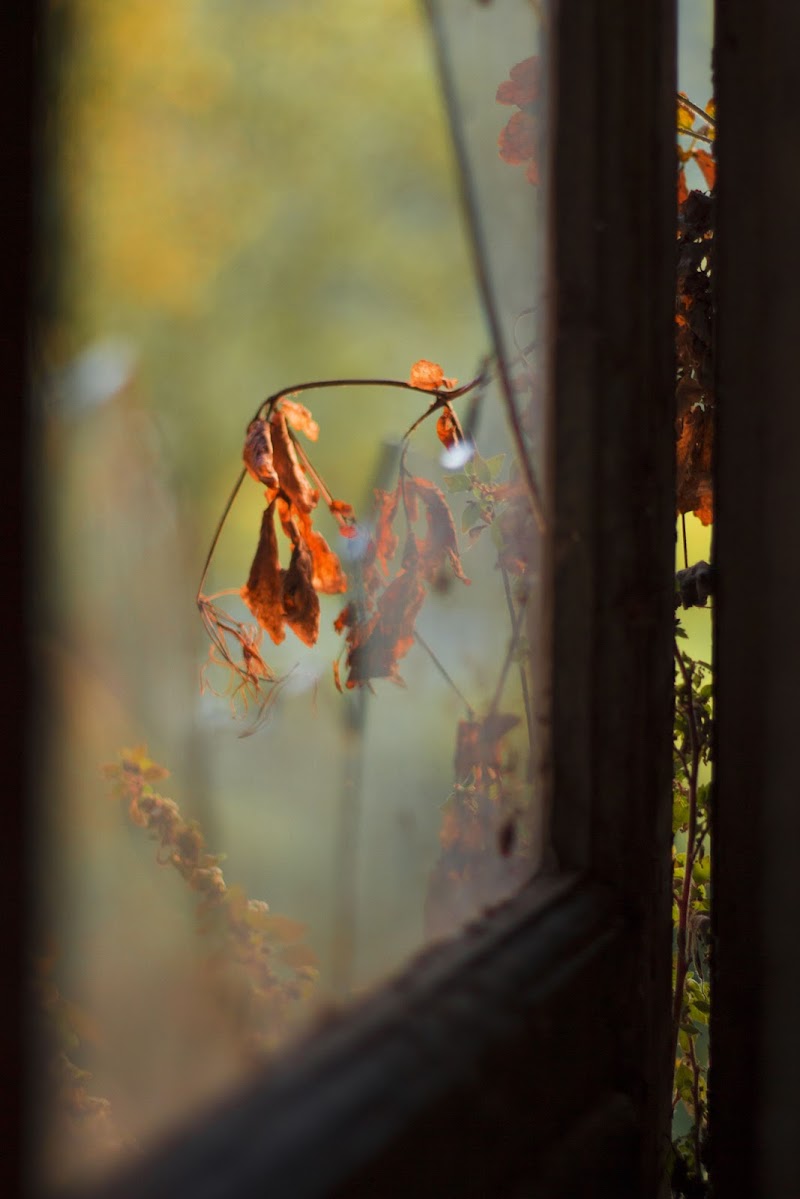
{"x": 263, "y": 592}
{"x": 257, "y": 453}
{"x": 291, "y": 476}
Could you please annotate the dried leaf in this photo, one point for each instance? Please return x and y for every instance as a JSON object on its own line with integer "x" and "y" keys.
{"x": 430, "y": 377}
{"x": 300, "y": 601}
{"x": 385, "y": 537}
{"x": 448, "y": 428}
{"x": 264, "y": 591}
{"x": 377, "y": 646}
{"x": 478, "y": 745}
{"x": 523, "y": 86}
{"x": 441, "y": 544}
{"x": 291, "y": 476}
{"x": 299, "y": 417}
{"x": 345, "y": 517}
{"x": 694, "y": 489}
{"x": 708, "y": 166}
{"x": 299, "y": 957}
{"x": 517, "y": 139}
{"x": 257, "y": 453}
{"x": 327, "y": 574}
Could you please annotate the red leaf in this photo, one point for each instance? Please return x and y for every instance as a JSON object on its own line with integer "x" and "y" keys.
{"x": 524, "y": 85}
{"x": 517, "y": 140}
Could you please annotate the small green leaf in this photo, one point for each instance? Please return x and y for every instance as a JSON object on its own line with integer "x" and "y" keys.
{"x": 482, "y": 472}
{"x": 459, "y": 482}
{"x": 495, "y": 465}
{"x": 471, "y": 514}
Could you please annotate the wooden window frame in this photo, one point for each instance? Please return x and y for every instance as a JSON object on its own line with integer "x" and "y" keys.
{"x": 530, "y": 1056}
{"x": 754, "y": 1095}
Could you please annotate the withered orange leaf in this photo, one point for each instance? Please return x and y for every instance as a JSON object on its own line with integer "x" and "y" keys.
{"x": 377, "y": 646}
{"x": 478, "y": 744}
{"x": 257, "y": 453}
{"x": 441, "y": 544}
{"x": 523, "y": 86}
{"x": 707, "y": 165}
{"x": 300, "y": 600}
{"x": 385, "y": 537}
{"x": 299, "y": 417}
{"x": 517, "y": 139}
{"x": 683, "y": 191}
{"x": 345, "y": 517}
{"x": 291, "y": 476}
{"x": 337, "y": 681}
{"x": 694, "y": 450}
{"x": 430, "y": 377}
{"x": 448, "y": 428}
{"x": 263, "y": 593}
{"x": 327, "y": 574}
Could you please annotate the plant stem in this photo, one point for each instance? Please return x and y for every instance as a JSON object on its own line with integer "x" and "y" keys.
{"x": 681, "y": 963}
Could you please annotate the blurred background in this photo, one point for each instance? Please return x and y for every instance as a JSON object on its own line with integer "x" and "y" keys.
{"x": 235, "y": 197}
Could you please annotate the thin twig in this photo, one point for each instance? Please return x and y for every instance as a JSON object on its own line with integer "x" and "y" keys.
{"x": 681, "y": 963}
{"x": 218, "y": 530}
{"x": 480, "y": 261}
{"x": 685, "y": 544}
{"x": 444, "y": 673}
{"x": 685, "y": 102}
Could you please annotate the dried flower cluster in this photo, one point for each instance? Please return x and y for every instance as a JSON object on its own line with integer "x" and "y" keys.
{"x": 267, "y": 951}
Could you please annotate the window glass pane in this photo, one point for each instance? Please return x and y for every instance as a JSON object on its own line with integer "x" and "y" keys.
{"x": 236, "y": 198}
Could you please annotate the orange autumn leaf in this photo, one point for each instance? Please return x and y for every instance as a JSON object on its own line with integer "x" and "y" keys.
{"x": 300, "y": 600}
{"x": 327, "y": 574}
{"x": 708, "y": 166}
{"x": 479, "y": 743}
{"x": 345, "y": 517}
{"x": 694, "y": 453}
{"x": 448, "y": 428}
{"x": 257, "y": 453}
{"x": 385, "y": 538}
{"x": 291, "y": 476}
{"x": 517, "y": 139}
{"x": 683, "y": 191}
{"x": 441, "y": 544}
{"x": 263, "y": 593}
{"x": 299, "y": 417}
{"x": 523, "y": 86}
{"x": 377, "y": 645}
{"x": 429, "y": 376}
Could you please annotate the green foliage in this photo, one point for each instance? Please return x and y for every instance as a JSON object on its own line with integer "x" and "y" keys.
{"x": 691, "y": 884}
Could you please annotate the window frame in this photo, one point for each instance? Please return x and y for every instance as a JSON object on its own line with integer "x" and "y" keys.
{"x": 531, "y": 1054}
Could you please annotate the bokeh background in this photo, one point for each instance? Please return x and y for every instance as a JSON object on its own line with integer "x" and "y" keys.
{"x": 235, "y": 197}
